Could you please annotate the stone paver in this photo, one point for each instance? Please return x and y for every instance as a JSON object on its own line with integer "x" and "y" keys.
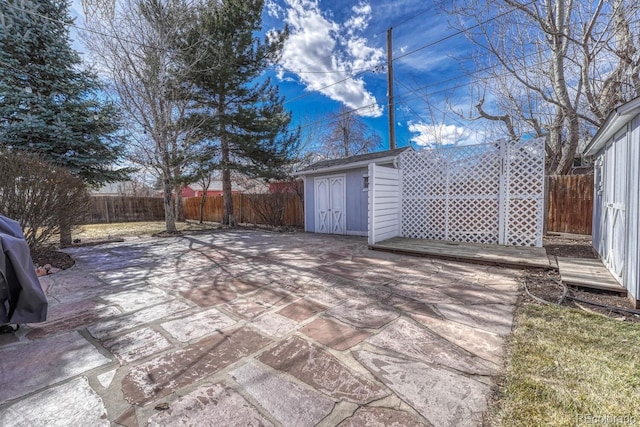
{"x": 251, "y": 305}
{"x": 381, "y": 417}
{"x": 333, "y": 334}
{"x": 207, "y": 296}
{"x": 135, "y": 299}
{"x": 287, "y": 402}
{"x": 73, "y": 403}
{"x": 441, "y": 396}
{"x": 249, "y": 327}
{"x": 159, "y": 377}
{"x": 480, "y": 295}
{"x": 207, "y": 405}
{"x": 301, "y": 310}
{"x": 74, "y": 286}
{"x": 198, "y": 325}
{"x": 106, "y": 378}
{"x": 496, "y": 318}
{"x": 484, "y": 344}
{"x": 321, "y": 370}
{"x": 107, "y": 328}
{"x": 136, "y": 345}
{"x": 65, "y": 324}
{"x": 274, "y": 325}
{"x": 30, "y": 366}
{"x": 128, "y": 418}
{"x": 363, "y": 315}
{"x": 419, "y": 343}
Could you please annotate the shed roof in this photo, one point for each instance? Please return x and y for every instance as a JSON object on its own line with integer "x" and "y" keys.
{"x": 352, "y": 161}
{"x": 612, "y": 124}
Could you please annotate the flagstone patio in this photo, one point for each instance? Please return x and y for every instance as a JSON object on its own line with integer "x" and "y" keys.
{"x": 249, "y": 327}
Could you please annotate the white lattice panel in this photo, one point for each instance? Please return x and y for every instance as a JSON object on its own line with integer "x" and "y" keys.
{"x": 525, "y": 193}
{"x": 490, "y": 193}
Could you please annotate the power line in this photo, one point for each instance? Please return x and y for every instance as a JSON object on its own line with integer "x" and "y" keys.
{"x": 328, "y": 86}
{"x": 89, "y": 30}
{"x": 431, "y": 44}
{"x": 457, "y": 33}
{"x": 456, "y": 119}
{"x": 396, "y": 25}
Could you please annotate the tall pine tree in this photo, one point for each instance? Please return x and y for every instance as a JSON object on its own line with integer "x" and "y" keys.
{"x": 48, "y": 104}
{"x": 238, "y": 110}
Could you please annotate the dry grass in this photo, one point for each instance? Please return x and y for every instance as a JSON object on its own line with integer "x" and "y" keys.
{"x": 133, "y": 229}
{"x": 566, "y": 365}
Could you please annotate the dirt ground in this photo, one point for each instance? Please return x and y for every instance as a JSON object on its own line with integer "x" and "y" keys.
{"x": 547, "y": 286}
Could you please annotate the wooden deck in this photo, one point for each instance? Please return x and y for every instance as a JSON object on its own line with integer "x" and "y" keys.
{"x": 588, "y": 273}
{"x": 508, "y": 256}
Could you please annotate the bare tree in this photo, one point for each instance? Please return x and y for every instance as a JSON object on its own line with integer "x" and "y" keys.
{"x": 554, "y": 69}
{"x": 348, "y": 135}
{"x": 134, "y": 48}
{"x": 205, "y": 182}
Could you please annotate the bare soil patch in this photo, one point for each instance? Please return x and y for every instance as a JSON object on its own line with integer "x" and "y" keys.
{"x": 546, "y": 285}
{"x": 570, "y": 245}
{"x": 53, "y": 258}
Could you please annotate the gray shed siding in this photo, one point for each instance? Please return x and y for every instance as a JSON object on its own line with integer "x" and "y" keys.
{"x": 620, "y": 154}
{"x": 356, "y": 206}
{"x": 632, "y": 276}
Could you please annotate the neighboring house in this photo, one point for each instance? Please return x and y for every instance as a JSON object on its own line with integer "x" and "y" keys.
{"x": 247, "y": 186}
{"x": 616, "y": 206}
{"x": 120, "y": 188}
{"x": 196, "y": 190}
{"x": 336, "y": 192}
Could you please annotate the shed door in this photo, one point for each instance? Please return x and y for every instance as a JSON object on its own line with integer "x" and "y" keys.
{"x": 615, "y": 170}
{"x": 330, "y": 204}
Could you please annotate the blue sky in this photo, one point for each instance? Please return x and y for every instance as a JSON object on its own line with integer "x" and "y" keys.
{"x": 336, "y": 56}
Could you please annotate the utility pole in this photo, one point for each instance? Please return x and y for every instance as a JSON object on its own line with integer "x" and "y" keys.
{"x": 392, "y": 108}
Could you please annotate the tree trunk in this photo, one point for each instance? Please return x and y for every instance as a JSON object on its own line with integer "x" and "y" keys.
{"x": 65, "y": 235}
{"x": 203, "y": 200}
{"x": 227, "y": 201}
{"x": 179, "y": 207}
{"x": 169, "y": 217}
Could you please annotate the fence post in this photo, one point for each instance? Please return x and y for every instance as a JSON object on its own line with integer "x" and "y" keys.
{"x": 503, "y": 203}
{"x": 545, "y": 206}
{"x": 106, "y": 208}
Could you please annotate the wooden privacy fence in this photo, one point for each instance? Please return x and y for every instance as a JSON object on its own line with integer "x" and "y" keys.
{"x": 250, "y": 208}
{"x": 105, "y": 209}
{"x": 570, "y": 208}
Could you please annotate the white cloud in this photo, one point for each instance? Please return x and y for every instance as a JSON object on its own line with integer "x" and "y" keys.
{"x": 360, "y": 19}
{"x": 274, "y": 9}
{"x": 428, "y": 135}
{"x": 325, "y": 55}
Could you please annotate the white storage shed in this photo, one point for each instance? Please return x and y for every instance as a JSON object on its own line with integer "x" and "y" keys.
{"x": 336, "y": 192}
{"x": 616, "y": 210}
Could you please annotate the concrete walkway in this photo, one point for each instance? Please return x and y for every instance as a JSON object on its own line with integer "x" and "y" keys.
{"x": 258, "y": 328}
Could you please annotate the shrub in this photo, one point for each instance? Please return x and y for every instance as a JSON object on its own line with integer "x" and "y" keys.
{"x": 268, "y": 209}
{"x": 42, "y": 197}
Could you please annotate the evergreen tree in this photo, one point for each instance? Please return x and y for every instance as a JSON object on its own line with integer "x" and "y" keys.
{"x": 236, "y": 108}
{"x": 48, "y": 104}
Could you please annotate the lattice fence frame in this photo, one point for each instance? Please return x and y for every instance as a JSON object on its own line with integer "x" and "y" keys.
{"x": 488, "y": 193}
